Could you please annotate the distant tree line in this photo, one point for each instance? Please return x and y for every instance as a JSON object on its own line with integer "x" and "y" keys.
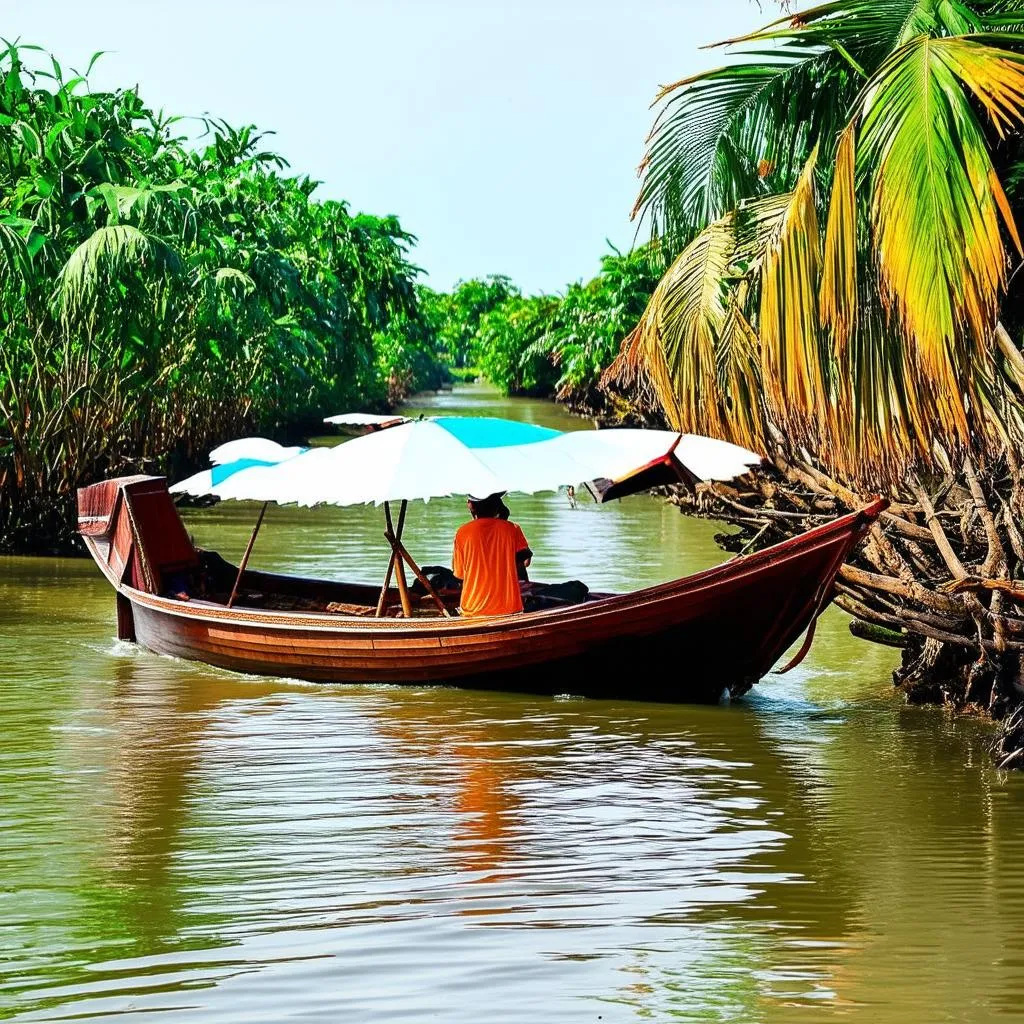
{"x": 556, "y": 345}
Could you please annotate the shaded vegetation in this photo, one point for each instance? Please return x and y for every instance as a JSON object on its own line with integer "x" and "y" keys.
{"x": 549, "y": 345}
{"x": 164, "y": 287}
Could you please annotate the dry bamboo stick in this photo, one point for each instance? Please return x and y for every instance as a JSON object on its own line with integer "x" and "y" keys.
{"x": 908, "y": 590}
{"x": 245, "y": 557}
{"x": 949, "y": 556}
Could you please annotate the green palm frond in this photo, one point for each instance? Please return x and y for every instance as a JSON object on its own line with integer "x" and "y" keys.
{"x": 108, "y": 257}
{"x": 15, "y": 262}
{"x": 867, "y": 31}
{"x": 719, "y": 135}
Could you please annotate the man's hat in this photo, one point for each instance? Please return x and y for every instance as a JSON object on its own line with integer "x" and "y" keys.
{"x": 492, "y": 505}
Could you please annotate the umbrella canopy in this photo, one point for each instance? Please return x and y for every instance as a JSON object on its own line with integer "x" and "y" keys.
{"x": 236, "y": 456}
{"x": 431, "y": 458}
{"x": 257, "y": 449}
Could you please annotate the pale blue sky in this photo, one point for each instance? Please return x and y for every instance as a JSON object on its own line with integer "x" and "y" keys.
{"x": 504, "y": 133}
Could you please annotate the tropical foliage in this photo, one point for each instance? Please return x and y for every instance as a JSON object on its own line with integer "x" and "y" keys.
{"x": 547, "y": 344}
{"x": 455, "y": 316}
{"x": 844, "y": 198}
{"x": 838, "y": 196}
{"x": 506, "y": 345}
{"x": 586, "y": 331}
{"x": 157, "y": 296}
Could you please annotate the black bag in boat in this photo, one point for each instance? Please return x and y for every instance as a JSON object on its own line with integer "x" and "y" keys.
{"x": 441, "y": 578}
{"x": 538, "y": 596}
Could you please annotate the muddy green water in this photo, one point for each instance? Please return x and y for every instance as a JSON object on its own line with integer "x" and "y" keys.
{"x": 183, "y": 844}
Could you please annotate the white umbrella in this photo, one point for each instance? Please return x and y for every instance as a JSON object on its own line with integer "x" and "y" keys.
{"x": 415, "y": 460}
{"x": 424, "y": 459}
{"x": 257, "y": 449}
{"x": 242, "y": 455}
{"x": 430, "y": 458}
{"x": 364, "y": 419}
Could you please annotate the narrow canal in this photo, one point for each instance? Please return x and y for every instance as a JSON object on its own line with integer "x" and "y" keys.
{"x": 233, "y": 849}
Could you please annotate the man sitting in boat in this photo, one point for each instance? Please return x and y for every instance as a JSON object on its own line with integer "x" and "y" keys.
{"x": 488, "y": 553}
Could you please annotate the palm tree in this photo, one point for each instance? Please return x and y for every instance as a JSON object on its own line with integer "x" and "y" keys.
{"x": 846, "y": 243}
{"x": 848, "y": 209}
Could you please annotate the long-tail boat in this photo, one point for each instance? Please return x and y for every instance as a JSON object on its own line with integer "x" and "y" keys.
{"x": 686, "y": 640}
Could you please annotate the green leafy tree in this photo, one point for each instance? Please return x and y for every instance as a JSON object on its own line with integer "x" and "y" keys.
{"x": 455, "y": 315}
{"x": 506, "y": 349}
{"x": 586, "y": 331}
{"x": 156, "y": 297}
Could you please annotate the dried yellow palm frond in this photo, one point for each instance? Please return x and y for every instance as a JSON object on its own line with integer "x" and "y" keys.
{"x": 627, "y": 369}
{"x": 628, "y": 372}
{"x": 677, "y": 337}
{"x": 838, "y": 306}
{"x": 882, "y": 409}
{"x": 739, "y": 377}
{"x": 795, "y": 376}
{"x": 991, "y": 73}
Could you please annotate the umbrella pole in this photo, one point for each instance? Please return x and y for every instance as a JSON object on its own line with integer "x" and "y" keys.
{"x": 382, "y": 603}
{"x": 245, "y": 557}
{"x": 395, "y": 540}
{"x": 418, "y": 573}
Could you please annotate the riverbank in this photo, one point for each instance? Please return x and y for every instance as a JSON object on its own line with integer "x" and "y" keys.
{"x": 959, "y": 643}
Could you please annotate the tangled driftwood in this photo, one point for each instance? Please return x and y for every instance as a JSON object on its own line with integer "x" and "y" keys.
{"x": 941, "y": 576}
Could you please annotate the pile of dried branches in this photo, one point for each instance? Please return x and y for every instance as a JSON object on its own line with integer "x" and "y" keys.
{"x": 940, "y": 576}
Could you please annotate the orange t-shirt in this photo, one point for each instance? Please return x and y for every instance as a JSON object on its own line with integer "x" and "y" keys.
{"x": 485, "y": 560}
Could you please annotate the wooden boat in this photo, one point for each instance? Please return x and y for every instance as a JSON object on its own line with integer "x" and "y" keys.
{"x": 687, "y": 640}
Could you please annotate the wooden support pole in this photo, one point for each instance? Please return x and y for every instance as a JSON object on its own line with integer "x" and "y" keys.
{"x": 395, "y": 542}
{"x": 382, "y": 603}
{"x": 400, "y": 549}
{"x": 245, "y": 557}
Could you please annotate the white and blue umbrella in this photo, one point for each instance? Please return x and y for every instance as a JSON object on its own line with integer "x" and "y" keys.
{"x": 446, "y": 455}
{"x": 237, "y": 456}
{"x": 367, "y": 420}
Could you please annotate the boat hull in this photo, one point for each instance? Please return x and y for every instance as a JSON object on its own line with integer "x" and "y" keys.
{"x": 687, "y": 640}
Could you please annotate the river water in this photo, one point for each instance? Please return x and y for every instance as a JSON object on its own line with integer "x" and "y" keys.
{"x": 179, "y": 843}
